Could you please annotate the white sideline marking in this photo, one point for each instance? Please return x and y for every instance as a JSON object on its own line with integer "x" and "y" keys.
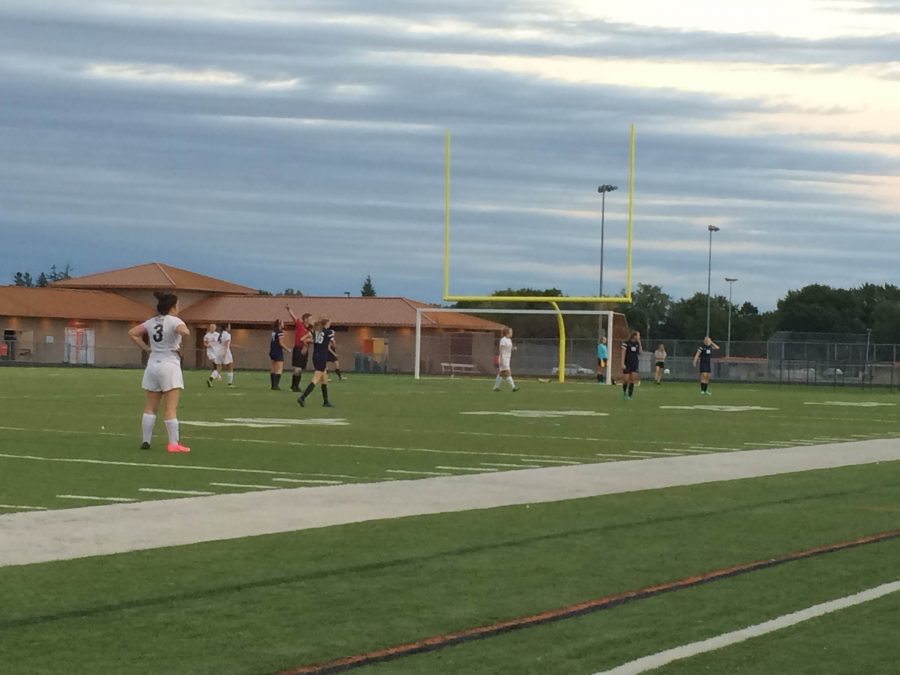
{"x": 854, "y": 404}
{"x": 726, "y": 639}
{"x": 769, "y": 444}
{"x": 716, "y": 408}
{"x": 98, "y": 499}
{"x": 21, "y": 506}
{"x": 695, "y": 451}
{"x": 419, "y": 473}
{"x": 539, "y": 413}
{"x": 325, "y": 421}
{"x": 653, "y": 453}
{"x": 247, "y": 485}
{"x": 515, "y": 466}
{"x": 11, "y": 428}
{"x": 613, "y": 454}
{"x": 709, "y": 447}
{"x": 479, "y": 469}
{"x": 184, "y": 467}
{"x": 199, "y": 493}
{"x": 554, "y": 461}
{"x": 308, "y": 480}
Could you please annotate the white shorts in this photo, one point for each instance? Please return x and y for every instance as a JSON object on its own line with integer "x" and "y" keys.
{"x": 163, "y": 376}
{"x": 212, "y": 356}
{"x": 225, "y": 359}
{"x": 504, "y": 365}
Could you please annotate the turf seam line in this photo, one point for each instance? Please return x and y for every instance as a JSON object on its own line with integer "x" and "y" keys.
{"x": 437, "y": 642}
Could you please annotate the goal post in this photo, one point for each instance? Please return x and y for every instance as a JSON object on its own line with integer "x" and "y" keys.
{"x": 562, "y": 340}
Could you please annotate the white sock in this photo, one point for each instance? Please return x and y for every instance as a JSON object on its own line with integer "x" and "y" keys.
{"x": 230, "y": 377}
{"x": 511, "y": 383}
{"x": 497, "y": 382}
{"x": 172, "y": 429}
{"x": 147, "y": 423}
{"x": 213, "y": 374}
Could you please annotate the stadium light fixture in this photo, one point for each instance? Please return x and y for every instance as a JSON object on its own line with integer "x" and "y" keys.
{"x": 603, "y": 189}
{"x": 711, "y": 228}
{"x": 730, "y": 281}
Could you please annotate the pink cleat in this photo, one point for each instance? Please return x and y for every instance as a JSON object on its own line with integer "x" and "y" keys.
{"x": 177, "y": 447}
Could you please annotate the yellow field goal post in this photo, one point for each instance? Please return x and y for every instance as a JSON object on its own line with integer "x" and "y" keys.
{"x": 553, "y": 301}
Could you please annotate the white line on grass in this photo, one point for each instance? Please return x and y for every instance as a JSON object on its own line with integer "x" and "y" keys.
{"x": 613, "y": 454}
{"x": 420, "y": 473}
{"x": 653, "y": 453}
{"x": 308, "y": 480}
{"x": 23, "y": 507}
{"x": 96, "y": 499}
{"x": 247, "y": 485}
{"x": 769, "y": 444}
{"x": 198, "y": 493}
{"x": 479, "y": 469}
{"x": 709, "y": 447}
{"x": 515, "y": 466}
{"x": 553, "y": 461}
{"x": 726, "y": 639}
{"x": 184, "y": 467}
{"x": 694, "y": 451}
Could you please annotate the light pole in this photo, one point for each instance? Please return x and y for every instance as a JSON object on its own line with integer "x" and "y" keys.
{"x": 711, "y": 228}
{"x": 730, "y": 281}
{"x": 603, "y": 189}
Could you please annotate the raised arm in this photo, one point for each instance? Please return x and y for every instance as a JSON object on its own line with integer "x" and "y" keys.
{"x": 291, "y": 312}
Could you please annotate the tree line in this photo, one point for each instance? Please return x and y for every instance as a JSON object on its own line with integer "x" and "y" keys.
{"x": 43, "y": 279}
{"x": 816, "y": 308}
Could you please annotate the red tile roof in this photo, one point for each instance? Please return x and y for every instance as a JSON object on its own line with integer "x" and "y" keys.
{"x": 343, "y": 311}
{"x": 65, "y": 303}
{"x": 156, "y": 276}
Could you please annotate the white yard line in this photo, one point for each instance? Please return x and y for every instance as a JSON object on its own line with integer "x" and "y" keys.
{"x": 418, "y": 473}
{"x": 554, "y": 461}
{"x": 247, "y": 485}
{"x": 22, "y": 507}
{"x": 768, "y": 444}
{"x": 654, "y": 453}
{"x": 614, "y": 455}
{"x": 196, "y": 493}
{"x": 666, "y": 657}
{"x": 695, "y": 451}
{"x": 96, "y": 499}
{"x": 479, "y": 469}
{"x": 308, "y": 480}
{"x": 514, "y": 466}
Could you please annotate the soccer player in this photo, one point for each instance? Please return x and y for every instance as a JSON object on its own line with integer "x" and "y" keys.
{"x": 276, "y": 353}
{"x": 322, "y": 337}
{"x": 631, "y": 355}
{"x": 506, "y": 350}
{"x": 300, "y": 352}
{"x": 211, "y": 342}
{"x": 659, "y": 358}
{"x": 333, "y": 357}
{"x": 226, "y": 358}
{"x": 703, "y": 356}
{"x": 602, "y": 356}
{"x": 163, "y": 379}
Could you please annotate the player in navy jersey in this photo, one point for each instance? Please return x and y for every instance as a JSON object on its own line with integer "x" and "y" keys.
{"x": 323, "y": 336}
{"x": 703, "y": 356}
{"x": 631, "y": 355}
{"x": 276, "y": 353}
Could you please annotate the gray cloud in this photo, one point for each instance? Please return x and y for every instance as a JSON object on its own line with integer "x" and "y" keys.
{"x": 341, "y": 175}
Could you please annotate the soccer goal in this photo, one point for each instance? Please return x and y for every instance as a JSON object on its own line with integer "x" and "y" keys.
{"x": 447, "y": 348}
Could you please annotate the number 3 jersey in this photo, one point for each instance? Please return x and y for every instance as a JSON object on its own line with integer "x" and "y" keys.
{"x": 164, "y": 339}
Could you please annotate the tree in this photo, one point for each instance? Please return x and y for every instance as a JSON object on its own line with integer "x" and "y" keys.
{"x": 648, "y": 309}
{"x": 821, "y": 309}
{"x": 42, "y": 281}
{"x": 368, "y": 290}
{"x": 23, "y": 279}
{"x": 292, "y": 292}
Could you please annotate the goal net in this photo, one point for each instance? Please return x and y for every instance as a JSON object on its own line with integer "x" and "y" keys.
{"x": 452, "y": 342}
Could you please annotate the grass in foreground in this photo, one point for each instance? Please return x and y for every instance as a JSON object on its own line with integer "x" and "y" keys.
{"x": 261, "y": 604}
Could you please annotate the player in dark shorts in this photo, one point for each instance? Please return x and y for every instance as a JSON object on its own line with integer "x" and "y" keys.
{"x": 333, "y": 357}
{"x": 300, "y": 351}
{"x": 703, "y": 356}
{"x": 322, "y": 338}
{"x": 276, "y": 353}
{"x": 631, "y": 356}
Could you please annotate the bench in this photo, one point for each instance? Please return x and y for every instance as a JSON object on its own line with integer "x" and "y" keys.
{"x": 458, "y": 367}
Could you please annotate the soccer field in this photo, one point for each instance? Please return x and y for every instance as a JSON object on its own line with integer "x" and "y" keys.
{"x": 69, "y": 438}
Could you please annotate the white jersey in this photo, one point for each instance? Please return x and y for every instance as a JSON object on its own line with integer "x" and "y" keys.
{"x": 164, "y": 339}
{"x": 506, "y": 347}
{"x": 211, "y": 340}
{"x": 224, "y": 344}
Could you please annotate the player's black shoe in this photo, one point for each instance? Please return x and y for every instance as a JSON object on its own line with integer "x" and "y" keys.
{"x": 145, "y": 445}
{"x": 301, "y": 401}
{"x": 328, "y": 404}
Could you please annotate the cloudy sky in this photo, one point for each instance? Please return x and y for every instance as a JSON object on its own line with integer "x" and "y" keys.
{"x": 300, "y": 143}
